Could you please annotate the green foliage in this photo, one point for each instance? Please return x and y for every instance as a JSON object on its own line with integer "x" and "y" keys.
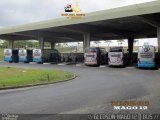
{"x": 65, "y": 49}
{"x": 108, "y": 42}
{"x": 120, "y": 42}
{"x": 4, "y": 44}
{"x": 97, "y": 42}
{"x": 11, "y": 77}
{"x": 26, "y": 44}
{"x": 1, "y": 54}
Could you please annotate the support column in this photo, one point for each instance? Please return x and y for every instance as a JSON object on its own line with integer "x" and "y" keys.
{"x": 53, "y": 45}
{"x": 11, "y": 43}
{"x": 130, "y": 49}
{"x": 158, "y": 38}
{"x": 86, "y": 43}
{"x": 41, "y": 42}
{"x": 130, "y": 45}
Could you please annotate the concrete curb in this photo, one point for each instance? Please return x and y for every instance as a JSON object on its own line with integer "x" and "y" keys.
{"x": 40, "y": 84}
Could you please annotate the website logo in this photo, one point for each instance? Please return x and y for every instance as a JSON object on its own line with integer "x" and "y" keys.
{"x": 73, "y": 12}
{"x": 146, "y": 49}
{"x": 68, "y": 8}
{"x": 77, "y": 8}
{"x": 130, "y": 105}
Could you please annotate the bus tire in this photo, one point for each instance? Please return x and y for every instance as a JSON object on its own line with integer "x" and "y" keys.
{"x": 123, "y": 66}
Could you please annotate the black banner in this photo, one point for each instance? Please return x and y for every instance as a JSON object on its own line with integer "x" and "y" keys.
{"x": 80, "y": 117}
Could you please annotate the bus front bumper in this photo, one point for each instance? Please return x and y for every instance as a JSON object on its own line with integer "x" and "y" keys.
{"x": 146, "y": 65}
{"x": 8, "y": 59}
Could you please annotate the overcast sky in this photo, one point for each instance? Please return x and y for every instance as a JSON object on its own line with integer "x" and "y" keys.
{"x": 14, "y": 12}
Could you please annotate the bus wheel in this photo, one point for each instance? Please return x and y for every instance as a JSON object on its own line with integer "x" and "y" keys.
{"x": 123, "y": 66}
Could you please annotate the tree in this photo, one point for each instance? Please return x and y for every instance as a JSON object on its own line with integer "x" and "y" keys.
{"x": 1, "y": 42}
{"x": 135, "y": 41}
{"x": 65, "y": 45}
{"x": 120, "y": 42}
{"x": 25, "y": 44}
{"x": 97, "y": 42}
{"x": 47, "y": 44}
{"x": 108, "y": 42}
{"x": 58, "y": 45}
{"x": 4, "y": 44}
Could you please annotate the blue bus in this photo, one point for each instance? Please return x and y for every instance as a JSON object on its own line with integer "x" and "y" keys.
{"x": 46, "y": 55}
{"x": 147, "y": 56}
{"x": 10, "y": 55}
{"x": 25, "y": 56}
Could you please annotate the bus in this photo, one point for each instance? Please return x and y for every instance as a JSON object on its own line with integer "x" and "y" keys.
{"x": 117, "y": 56}
{"x": 10, "y": 55}
{"x": 25, "y": 55}
{"x": 46, "y": 55}
{"x": 95, "y": 56}
{"x": 147, "y": 56}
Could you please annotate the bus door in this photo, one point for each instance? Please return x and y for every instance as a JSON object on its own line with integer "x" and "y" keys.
{"x": 37, "y": 55}
{"x": 8, "y": 55}
{"x": 30, "y": 55}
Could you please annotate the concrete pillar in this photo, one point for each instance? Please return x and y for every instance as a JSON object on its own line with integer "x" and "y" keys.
{"x": 130, "y": 49}
{"x": 11, "y": 43}
{"x": 130, "y": 45}
{"x": 158, "y": 38}
{"x": 41, "y": 42}
{"x": 53, "y": 45}
{"x": 86, "y": 43}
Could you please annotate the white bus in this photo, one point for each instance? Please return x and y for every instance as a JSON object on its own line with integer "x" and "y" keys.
{"x": 147, "y": 56}
{"x": 117, "y": 56}
{"x": 95, "y": 56}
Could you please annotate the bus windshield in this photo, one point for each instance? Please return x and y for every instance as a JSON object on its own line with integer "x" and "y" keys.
{"x": 116, "y": 50}
{"x": 90, "y": 50}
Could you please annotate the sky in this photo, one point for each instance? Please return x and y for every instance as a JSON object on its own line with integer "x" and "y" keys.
{"x": 16, "y": 12}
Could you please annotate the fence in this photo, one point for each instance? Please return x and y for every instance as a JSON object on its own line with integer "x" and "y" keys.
{"x": 72, "y": 57}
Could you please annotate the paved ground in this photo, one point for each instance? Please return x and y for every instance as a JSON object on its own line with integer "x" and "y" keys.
{"x": 91, "y": 92}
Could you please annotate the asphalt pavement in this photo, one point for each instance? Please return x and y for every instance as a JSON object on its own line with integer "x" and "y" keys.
{"x": 91, "y": 92}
